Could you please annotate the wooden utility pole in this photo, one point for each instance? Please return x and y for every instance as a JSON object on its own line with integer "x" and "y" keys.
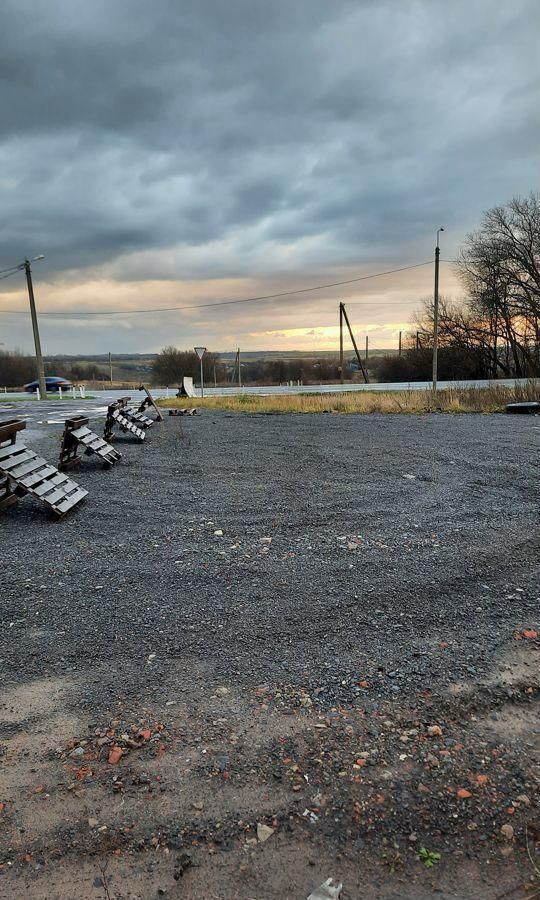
{"x": 341, "y": 343}
{"x": 360, "y": 363}
{"x": 110, "y": 366}
{"x": 399, "y": 350}
{"x": 239, "y": 369}
{"x": 436, "y": 312}
{"x": 35, "y": 329}
{"x": 367, "y": 348}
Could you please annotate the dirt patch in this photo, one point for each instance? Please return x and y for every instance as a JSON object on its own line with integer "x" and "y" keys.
{"x": 111, "y": 805}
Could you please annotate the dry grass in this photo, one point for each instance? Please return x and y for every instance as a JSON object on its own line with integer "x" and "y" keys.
{"x": 452, "y": 400}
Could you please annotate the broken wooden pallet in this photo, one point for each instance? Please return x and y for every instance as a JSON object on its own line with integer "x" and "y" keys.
{"x": 77, "y": 434}
{"x": 183, "y": 412}
{"x": 149, "y": 401}
{"x": 24, "y": 472}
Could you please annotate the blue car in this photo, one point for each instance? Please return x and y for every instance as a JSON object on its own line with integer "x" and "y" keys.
{"x": 52, "y": 383}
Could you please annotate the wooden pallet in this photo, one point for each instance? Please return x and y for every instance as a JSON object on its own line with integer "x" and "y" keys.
{"x": 120, "y": 417}
{"x": 118, "y": 413}
{"x": 24, "y": 472}
{"x": 77, "y": 434}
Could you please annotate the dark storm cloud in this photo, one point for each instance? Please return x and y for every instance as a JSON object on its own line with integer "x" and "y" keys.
{"x": 135, "y": 126}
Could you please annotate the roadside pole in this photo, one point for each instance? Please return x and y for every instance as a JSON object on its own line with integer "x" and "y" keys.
{"x": 353, "y": 339}
{"x": 436, "y": 312}
{"x": 341, "y": 342}
{"x": 35, "y": 329}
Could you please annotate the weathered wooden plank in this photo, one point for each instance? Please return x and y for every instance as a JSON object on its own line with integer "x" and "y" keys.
{"x": 49, "y": 484}
{"x": 36, "y": 477}
{"x": 11, "y": 448}
{"x": 9, "y": 429}
{"x": 32, "y": 466}
{"x": 97, "y": 444}
{"x": 17, "y": 459}
{"x": 108, "y": 453}
{"x": 64, "y": 505}
{"x": 53, "y": 498}
{"x": 80, "y": 433}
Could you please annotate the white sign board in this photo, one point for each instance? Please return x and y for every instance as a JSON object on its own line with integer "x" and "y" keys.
{"x": 200, "y": 351}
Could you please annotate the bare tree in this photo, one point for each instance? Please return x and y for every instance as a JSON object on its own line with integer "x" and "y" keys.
{"x": 500, "y": 268}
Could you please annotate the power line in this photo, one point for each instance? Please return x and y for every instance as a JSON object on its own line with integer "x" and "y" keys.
{"x": 131, "y": 312}
{"x": 8, "y": 276}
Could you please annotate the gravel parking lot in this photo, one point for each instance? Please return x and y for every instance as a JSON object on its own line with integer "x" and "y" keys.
{"x": 321, "y": 626}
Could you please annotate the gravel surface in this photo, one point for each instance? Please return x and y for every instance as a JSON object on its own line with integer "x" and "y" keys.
{"x": 321, "y": 624}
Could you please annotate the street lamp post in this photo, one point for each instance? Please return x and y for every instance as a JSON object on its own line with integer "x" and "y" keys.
{"x": 436, "y": 312}
{"x": 35, "y": 328}
{"x": 200, "y": 351}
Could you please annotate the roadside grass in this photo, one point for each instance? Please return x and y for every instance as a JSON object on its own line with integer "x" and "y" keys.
{"x": 451, "y": 400}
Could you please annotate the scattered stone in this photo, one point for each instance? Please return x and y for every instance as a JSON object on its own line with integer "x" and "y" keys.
{"x": 115, "y": 755}
{"x": 328, "y": 890}
{"x": 507, "y": 832}
{"x": 264, "y": 832}
{"x": 183, "y": 861}
{"x": 77, "y": 753}
{"x": 434, "y": 730}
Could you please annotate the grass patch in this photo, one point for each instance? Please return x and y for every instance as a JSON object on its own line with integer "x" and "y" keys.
{"x": 451, "y": 400}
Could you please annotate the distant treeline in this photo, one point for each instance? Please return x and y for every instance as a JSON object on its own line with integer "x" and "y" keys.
{"x": 172, "y": 364}
{"x": 17, "y": 368}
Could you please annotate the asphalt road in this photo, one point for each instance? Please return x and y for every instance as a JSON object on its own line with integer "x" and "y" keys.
{"x": 376, "y": 561}
{"x": 106, "y": 395}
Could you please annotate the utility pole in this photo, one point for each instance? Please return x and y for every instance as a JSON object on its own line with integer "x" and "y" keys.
{"x": 215, "y": 380}
{"x": 360, "y": 363}
{"x": 367, "y": 348}
{"x": 110, "y": 366}
{"x": 35, "y": 329}
{"x": 239, "y": 369}
{"x": 399, "y": 350}
{"x": 341, "y": 342}
{"x": 436, "y": 312}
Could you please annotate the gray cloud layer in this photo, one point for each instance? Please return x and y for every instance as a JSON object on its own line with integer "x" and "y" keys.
{"x": 258, "y": 137}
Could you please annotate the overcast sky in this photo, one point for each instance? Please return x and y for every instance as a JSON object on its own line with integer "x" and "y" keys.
{"x": 172, "y": 153}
